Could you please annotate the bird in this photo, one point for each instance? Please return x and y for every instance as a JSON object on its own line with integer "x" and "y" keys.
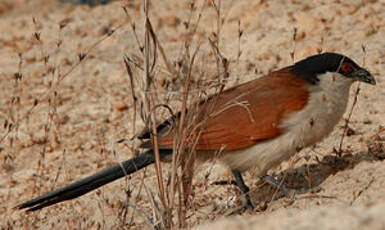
{"x": 254, "y": 125}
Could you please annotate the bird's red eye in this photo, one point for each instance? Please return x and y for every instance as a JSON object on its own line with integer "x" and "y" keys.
{"x": 346, "y": 68}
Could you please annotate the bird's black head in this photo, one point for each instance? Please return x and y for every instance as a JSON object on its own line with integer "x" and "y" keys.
{"x": 310, "y": 68}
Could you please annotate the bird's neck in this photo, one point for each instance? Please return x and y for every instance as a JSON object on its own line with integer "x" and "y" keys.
{"x": 334, "y": 84}
{"x": 326, "y": 105}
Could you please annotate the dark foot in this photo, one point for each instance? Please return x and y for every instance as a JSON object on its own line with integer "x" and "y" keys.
{"x": 246, "y": 204}
{"x": 91, "y": 3}
{"x": 286, "y": 191}
{"x": 224, "y": 182}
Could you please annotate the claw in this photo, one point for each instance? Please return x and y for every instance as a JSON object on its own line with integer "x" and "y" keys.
{"x": 246, "y": 204}
{"x": 286, "y": 191}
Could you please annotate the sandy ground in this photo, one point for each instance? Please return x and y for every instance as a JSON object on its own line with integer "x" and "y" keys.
{"x": 61, "y": 121}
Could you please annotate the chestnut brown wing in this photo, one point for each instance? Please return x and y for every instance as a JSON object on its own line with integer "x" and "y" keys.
{"x": 248, "y": 113}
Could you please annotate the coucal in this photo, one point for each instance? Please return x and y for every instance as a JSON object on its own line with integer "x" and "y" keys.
{"x": 257, "y": 124}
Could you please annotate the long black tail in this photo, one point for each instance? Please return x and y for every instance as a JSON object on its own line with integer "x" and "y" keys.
{"x": 92, "y": 182}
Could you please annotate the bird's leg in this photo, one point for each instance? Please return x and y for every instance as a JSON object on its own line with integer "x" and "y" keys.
{"x": 245, "y": 193}
{"x": 284, "y": 190}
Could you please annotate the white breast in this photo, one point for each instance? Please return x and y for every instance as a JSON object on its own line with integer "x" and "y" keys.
{"x": 326, "y": 106}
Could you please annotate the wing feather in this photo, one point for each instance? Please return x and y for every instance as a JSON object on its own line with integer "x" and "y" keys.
{"x": 248, "y": 113}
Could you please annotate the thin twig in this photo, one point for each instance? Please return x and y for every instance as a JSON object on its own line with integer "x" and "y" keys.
{"x": 339, "y": 151}
{"x": 149, "y": 67}
{"x": 292, "y": 53}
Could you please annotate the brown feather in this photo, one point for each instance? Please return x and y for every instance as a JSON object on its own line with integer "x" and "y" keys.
{"x": 248, "y": 113}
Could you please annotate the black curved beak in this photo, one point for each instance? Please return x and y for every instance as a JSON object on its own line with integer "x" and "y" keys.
{"x": 364, "y": 76}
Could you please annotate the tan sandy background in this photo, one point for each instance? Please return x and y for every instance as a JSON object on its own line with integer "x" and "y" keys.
{"x": 61, "y": 121}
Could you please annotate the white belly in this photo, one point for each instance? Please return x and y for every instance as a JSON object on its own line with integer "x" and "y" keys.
{"x": 326, "y": 106}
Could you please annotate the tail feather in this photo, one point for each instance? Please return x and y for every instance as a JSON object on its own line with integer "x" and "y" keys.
{"x": 92, "y": 182}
